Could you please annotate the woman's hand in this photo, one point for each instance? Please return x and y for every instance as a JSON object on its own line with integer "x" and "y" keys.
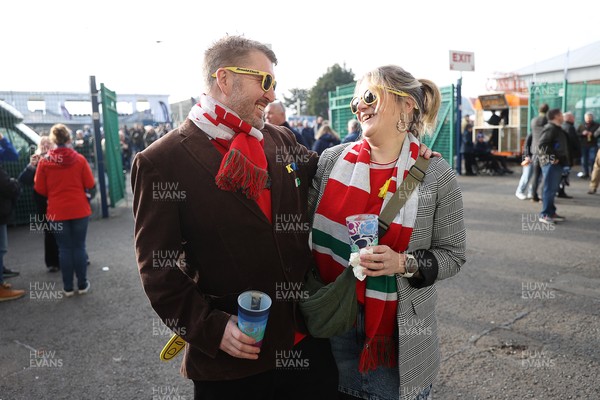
{"x": 383, "y": 261}
{"x": 427, "y": 153}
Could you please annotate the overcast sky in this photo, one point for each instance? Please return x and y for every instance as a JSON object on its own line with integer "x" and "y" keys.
{"x": 152, "y": 47}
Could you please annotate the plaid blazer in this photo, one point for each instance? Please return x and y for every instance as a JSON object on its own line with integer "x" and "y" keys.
{"x": 439, "y": 230}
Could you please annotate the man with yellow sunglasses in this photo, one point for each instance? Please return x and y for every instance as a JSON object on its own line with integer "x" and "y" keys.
{"x": 213, "y": 195}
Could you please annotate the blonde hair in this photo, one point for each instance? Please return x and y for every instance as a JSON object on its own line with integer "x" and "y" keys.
{"x": 325, "y": 128}
{"x": 44, "y": 146}
{"x": 60, "y": 134}
{"x": 423, "y": 92}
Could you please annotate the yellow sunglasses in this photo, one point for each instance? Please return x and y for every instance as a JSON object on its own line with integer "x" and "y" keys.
{"x": 370, "y": 98}
{"x": 267, "y": 83}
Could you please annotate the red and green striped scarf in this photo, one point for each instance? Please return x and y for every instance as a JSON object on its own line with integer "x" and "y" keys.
{"x": 346, "y": 193}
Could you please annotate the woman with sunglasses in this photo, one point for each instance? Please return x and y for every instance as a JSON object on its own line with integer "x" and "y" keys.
{"x": 393, "y": 350}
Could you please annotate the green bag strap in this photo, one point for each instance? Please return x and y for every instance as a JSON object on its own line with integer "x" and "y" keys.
{"x": 416, "y": 174}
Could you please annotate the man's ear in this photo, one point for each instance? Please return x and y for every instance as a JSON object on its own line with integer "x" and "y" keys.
{"x": 224, "y": 81}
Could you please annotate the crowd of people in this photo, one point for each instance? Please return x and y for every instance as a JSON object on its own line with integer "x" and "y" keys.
{"x": 551, "y": 150}
{"x": 137, "y": 138}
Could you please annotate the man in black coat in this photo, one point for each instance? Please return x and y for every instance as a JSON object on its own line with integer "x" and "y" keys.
{"x": 574, "y": 152}
{"x": 9, "y": 192}
{"x": 589, "y": 144}
{"x": 467, "y": 149}
{"x": 537, "y": 125}
{"x": 553, "y": 152}
{"x": 308, "y": 134}
{"x": 353, "y": 131}
{"x": 275, "y": 114}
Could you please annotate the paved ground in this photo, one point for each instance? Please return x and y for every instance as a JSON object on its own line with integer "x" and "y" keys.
{"x": 521, "y": 320}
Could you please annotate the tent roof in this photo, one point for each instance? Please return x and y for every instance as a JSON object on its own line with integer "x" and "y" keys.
{"x": 587, "y": 56}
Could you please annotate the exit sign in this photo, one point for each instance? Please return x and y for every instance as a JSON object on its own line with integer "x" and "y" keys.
{"x": 462, "y": 61}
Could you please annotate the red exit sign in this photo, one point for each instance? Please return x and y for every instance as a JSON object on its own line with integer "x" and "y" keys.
{"x": 462, "y": 61}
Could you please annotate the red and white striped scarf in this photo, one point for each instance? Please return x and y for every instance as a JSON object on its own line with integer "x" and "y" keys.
{"x": 347, "y": 193}
{"x": 244, "y": 166}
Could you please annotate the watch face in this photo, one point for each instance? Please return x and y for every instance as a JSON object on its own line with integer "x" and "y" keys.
{"x": 411, "y": 265}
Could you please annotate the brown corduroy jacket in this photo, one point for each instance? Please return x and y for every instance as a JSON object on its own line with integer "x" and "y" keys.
{"x": 199, "y": 247}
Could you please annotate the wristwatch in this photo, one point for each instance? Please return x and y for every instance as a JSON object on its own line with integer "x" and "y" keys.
{"x": 411, "y": 265}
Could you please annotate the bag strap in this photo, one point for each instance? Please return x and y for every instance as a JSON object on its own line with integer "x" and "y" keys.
{"x": 416, "y": 174}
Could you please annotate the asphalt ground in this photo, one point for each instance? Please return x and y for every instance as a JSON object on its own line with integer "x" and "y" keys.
{"x": 520, "y": 321}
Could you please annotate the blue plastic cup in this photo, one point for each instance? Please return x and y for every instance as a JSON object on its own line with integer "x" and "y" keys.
{"x": 253, "y": 313}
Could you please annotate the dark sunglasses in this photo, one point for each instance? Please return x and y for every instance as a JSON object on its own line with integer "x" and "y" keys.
{"x": 370, "y": 98}
{"x": 267, "y": 83}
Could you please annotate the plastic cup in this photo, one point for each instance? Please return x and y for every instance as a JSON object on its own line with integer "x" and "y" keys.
{"x": 253, "y": 313}
{"x": 363, "y": 230}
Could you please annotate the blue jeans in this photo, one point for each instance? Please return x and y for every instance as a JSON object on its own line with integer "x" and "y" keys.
{"x": 588, "y": 155}
{"x": 3, "y": 248}
{"x": 525, "y": 177}
{"x": 381, "y": 384}
{"x": 536, "y": 176}
{"x": 70, "y": 236}
{"x": 552, "y": 176}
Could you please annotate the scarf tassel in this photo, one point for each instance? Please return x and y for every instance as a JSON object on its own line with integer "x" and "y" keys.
{"x": 237, "y": 172}
{"x": 377, "y": 351}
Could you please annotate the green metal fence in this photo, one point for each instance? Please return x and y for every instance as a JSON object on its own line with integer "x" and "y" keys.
{"x": 112, "y": 146}
{"x": 443, "y": 138}
{"x": 339, "y": 106}
{"x": 24, "y": 140}
{"x": 577, "y": 98}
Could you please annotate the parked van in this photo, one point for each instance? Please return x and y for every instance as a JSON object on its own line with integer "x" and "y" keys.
{"x": 25, "y": 141}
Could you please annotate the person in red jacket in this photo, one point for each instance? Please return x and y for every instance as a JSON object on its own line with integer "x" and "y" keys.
{"x": 62, "y": 176}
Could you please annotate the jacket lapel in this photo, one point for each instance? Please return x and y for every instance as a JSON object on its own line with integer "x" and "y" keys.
{"x": 202, "y": 151}
{"x": 275, "y": 169}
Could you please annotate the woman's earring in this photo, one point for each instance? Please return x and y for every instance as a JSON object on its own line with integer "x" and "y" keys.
{"x": 402, "y": 125}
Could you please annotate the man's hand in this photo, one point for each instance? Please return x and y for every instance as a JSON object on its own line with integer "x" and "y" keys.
{"x": 236, "y": 343}
{"x": 427, "y": 153}
{"x": 34, "y": 159}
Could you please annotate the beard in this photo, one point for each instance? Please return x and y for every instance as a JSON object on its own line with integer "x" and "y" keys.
{"x": 243, "y": 105}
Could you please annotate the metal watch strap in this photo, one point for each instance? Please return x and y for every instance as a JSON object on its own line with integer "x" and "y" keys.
{"x": 416, "y": 174}
{"x": 407, "y": 274}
